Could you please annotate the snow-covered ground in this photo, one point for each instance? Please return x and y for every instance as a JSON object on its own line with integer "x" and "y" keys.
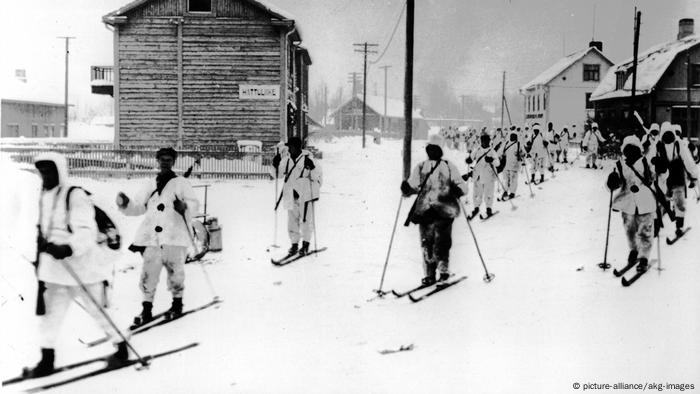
{"x": 550, "y": 318}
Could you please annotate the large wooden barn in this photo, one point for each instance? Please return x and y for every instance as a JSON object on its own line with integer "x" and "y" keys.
{"x": 194, "y": 73}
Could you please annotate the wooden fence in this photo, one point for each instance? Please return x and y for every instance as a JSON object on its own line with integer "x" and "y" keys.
{"x": 103, "y": 161}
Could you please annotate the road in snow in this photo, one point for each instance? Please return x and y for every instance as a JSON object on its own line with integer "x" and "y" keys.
{"x": 543, "y": 323}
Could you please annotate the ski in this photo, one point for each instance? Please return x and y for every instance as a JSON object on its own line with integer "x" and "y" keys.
{"x": 438, "y": 288}
{"x": 295, "y": 257}
{"x": 623, "y": 270}
{"x": 68, "y": 367}
{"x": 673, "y": 241}
{"x": 472, "y": 216}
{"x": 155, "y": 323}
{"x": 619, "y": 273}
{"x": 419, "y": 287}
{"x": 485, "y": 218}
{"x": 107, "y": 369}
{"x": 628, "y": 282}
{"x": 507, "y": 198}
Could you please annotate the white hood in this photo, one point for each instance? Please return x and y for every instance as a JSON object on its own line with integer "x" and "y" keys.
{"x": 59, "y": 161}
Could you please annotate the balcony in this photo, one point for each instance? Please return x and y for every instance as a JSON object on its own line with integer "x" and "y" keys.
{"x": 102, "y": 80}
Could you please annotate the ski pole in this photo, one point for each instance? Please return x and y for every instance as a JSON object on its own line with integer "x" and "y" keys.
{"x": 512, "y": 206}
{"x": 379, "y": 291}
{"x": 144, "y": 362}
{"x": 658, "y": 254}
{"x": 13, "y": 287}
{"x": 527, "y": 181}
{"x": 204, "y": 270}
{"x": 277, "y": 177}
{"x": 489, "y": 276}
{"x": 605, "y": 265}
{"x": 313, "y": 213}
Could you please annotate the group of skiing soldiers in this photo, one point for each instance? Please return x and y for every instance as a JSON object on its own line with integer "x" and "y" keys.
{"x": 651, "y": 179}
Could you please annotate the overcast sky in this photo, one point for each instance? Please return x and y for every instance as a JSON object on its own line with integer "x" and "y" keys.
{"x": 467, "y": 42}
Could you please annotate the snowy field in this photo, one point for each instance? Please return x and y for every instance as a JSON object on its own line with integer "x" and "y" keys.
{"x": 550, "y": 318}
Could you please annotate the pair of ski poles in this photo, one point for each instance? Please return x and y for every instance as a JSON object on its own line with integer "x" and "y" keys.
{"x": 487, "y": 278}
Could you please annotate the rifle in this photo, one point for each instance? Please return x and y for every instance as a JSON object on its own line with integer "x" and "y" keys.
{"x": 41, "y": 287}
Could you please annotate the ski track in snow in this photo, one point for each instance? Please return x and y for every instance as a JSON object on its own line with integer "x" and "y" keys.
{"x": 538, "y": 327}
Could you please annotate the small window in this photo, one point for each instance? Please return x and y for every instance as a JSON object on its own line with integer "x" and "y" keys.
{"x": 35, "y": 130}
{"x": 63, "y": 132}
{"x": 591, "y": 72}
{"x": 538, "y": 102}
{"x": 46, "y": 130}
{"x": 52, "y": 129}
{"x": 695, "y": 70}
{"x": 199, "y": 5}
{"x": 589, "y": 103}
{"x": 619, "y": 80}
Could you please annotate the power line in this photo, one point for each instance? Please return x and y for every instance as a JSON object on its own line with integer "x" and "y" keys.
{"x": 391, "y": 38}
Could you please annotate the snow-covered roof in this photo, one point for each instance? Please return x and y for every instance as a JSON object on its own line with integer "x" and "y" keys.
{"x": 560, "y": 66}
{"x": 268, "y": 7}
{"x": 394, "y": 107}
{"x": 30, "y": 91}
{"x": 651, "y": 66}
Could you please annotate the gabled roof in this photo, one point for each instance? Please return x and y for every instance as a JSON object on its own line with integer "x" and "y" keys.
{"x": 560, "y": 66}
{"x": 651, "y": 66}
{"x": 113, "y": 16}
{"x": 394, "y": 107}
{"x": 30, "y": 92}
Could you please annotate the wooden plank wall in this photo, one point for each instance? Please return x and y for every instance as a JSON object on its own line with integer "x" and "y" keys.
{"x": 239, "y": 46}
{"x": 148, "y": 82}
{"x": 219, "y": 54}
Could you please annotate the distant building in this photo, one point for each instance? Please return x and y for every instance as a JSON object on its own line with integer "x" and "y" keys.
{"x": 205, "y": 72}
{"x": 561, "y": 94}
{"x": 349, "y": 117}
{"x": 26, "y": 110}
{"x": 664, "y": 80}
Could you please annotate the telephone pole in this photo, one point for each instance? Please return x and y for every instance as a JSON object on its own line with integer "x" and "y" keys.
{"x": 386, "y": 68}
{"x": 408, "y": 89}
{"x": 503, "y": 97}
{"x": 354, "y": 79}
{"x": 364, "y": 49}
{"x": 462, "y": 114}
{"x": 65, "y": 97}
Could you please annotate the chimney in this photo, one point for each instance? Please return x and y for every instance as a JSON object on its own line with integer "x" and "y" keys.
{"x": 596, "y": 44}
{"x": 21, "y": 75}
{"x": 685, "y": 28}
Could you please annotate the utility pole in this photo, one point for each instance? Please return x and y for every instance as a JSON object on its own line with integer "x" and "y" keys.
{"x": 408, "y": 89}
{"x": 503, "y": 97}
{"x": 354, "y": 79}
{"x": 386, "y": 68}
{"x": 689, "y": 84}
{"x": 365, "y": 49}
{"x": 462, "y": 112}
{"x": 65, "y": 90}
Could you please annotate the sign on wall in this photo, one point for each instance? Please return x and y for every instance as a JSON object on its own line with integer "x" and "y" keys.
{"x": 259, "y": 92}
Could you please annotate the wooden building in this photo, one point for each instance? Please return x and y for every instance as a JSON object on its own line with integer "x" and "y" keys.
{"x": 190, "y": 73}
{"x": 28, "y": 109}
{"x": 561, "y": 94}
{"x": 349, "y": 117}
{"x": 666, "y": 85}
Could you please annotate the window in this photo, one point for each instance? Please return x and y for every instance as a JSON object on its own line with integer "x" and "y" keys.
{"x": 46, "y": 130}
{"x": 538, "y": 102}
{"x": 199, "y": 5}
{"x": 13, "y": 129}
{"x": 620, "y": 80}
{"x": 589, "y": 104}
{"x": 51, "y": 131}
{"x": 35, "y": 130}
{"x": 544, "y": 101}
{"x": 695, "y": 72}
{"x": 591, "y": 72}
{"x": 63, "y": 132}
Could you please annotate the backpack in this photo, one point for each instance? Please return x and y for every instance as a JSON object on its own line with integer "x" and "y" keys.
{"x": 105, "y": 225}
